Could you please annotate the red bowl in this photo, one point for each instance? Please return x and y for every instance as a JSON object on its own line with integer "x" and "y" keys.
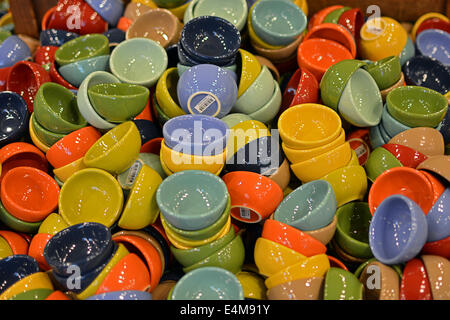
{"x": 25, "y": 78}
{"x": 45, "y": 54}
{"x": 437, "y": 248}
{"x": 335, "y": 263}
{"x": 415, "y": 284}
{"x": 152, "y": 146}
{"x": 407, "y": 156}
{"x": 4, "y": 72}
{"x": 434, "y": 23}
{"x": 46, "y": 18}
{"x": 353, "y": 20}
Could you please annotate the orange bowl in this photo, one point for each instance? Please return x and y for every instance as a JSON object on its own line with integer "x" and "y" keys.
{"x": 405, "y": 181}
{"x": 436, "y": 184}
{"x": 57, "y": 295}
{"x": 318, "y": 17}
{"x": 36, "y": 249}
{"x": 17, "y": 243}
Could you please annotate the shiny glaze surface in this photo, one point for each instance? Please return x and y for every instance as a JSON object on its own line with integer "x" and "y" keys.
{"x": 301, "y": 289}
{"x": 234, "y": 11}
{"x": 438, "y": 269}
{"x": 110, "y": 11}
{"x": 437, "y": 164}
{"x": 353, "y": 20}
{"x": 80, "y": 48}
{"x": 122, "y": 295}
{"x": 12, "y": 50}
{"x": 76, "y": 72}
{"x": 427, "y": 72}
{"x": 250, "y": 69}
{"x": 342, "y": 285}
{"x": 428, "y": 141}
{"x": 14, "y": 116}
{"x": 379, "y": 161}
{"x": 434, "y": 43}
{"x": 407, "y": 156}
{"x": 56, "y": 37}
{"x": 390, "y": 282}
{"x": 415, "y": 284}
{"x": 14, "y": 268}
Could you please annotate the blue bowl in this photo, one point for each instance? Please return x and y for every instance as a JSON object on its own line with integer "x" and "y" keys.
{"x": 147, "y": 129}
{"x": 263, "y": 156}
{"x": 408, "y": 51}
{"x": 383, "y": 132}
{"x": 444, "y": 127}
{"x": 14, "y": 268}
{"x": 86, "y": 245}
{"x": 172, "y": 55}
{"x": 12, "y": 50}
{"x": 208, "y": 90}
{"x": 210, "y": 39}
{"x": 13, "y": 117}
{"x": 110, "y": 11}
{"x": 427, "y": 72}
{"x": 115, "y": 36}
{"x": 438, "y": 218}
{"x": 55, "y": 37}
{"x": 391, "y": 126}
{"x": 122, "y": 295}
{"x": 196, "y": 134}
{"x": 398, "y": 230}
{"x": 376, "y": 137}
{"x": 184, "y": 58}
{"x": 77, "y": 71}
{"x": 434, "y": 43}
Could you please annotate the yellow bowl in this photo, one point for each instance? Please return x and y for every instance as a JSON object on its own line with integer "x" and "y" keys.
{"x": 348, "y": 183}
{"x": 93, "y": 287}
{"x": 300, "y": 155}
{"x": 354, "y": 161}
{"x": 5, "y": 249}
{"x": 253, "y": 285}
{"x": 388, "y": 39}
{"x": 254, "y": 37}
{"x": 169, "y": 173}
{"x": 91, "y": 195}
{"x": 271, "y": 257}
{"x": 65, "y": 172}
{"x": 53, "y": 224}
{"x": 309, "y": 125}
{"x": 140, "y": 208}
{"x": 38, "y": 143}
{"x": 38, "y": 280}
{"x": 315, "y": 266}
{"x": 250, "y": 69}
{"x": 166, "y": 93}
{"x": 177, "y": 161}
{"x": 302, "y": 4}
{"x": 116, "y": 150}
{"x": 179, "y": 11}
{"x": 243, "y": 133}
{"x": 424, "y": 17}
{"x": 323, "y": 164}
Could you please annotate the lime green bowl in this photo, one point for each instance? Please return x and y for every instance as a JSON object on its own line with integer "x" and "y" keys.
{"x": 17, "y": 225}
{"x": 80, "y": 48}
{"x": 49, "y": 138}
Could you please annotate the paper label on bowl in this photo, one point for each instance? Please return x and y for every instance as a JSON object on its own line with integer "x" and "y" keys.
{"x": 205, "y": 103}
{"x": 133, "y": 173}
{"x": 245, "y": 213}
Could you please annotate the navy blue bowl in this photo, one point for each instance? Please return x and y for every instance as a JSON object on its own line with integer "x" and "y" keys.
{"x": 13, "y": 117}
{"x": 162, "y": 242}
{"x": 14, "y": 268}
{"x": 427, "y": 72}
{"x": 184, "y": 58}
{"x": 79, "y": 285}
{"x": 115, "y": 36}
{"x": 187, "y": 59}
{"x": 86, "y": 245}
{"x": 147, "y": 129}
{"x": 55, "y": 37}
{"x": 210, "y": 39}
{"x": 444, "y": 127}
{"x": 263, "y": 156}
{"x": 172, "y": 55}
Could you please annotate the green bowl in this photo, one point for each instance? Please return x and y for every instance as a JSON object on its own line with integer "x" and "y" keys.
{"x": 231, "y": 258}
{"x": 417, "y": 106}
{"x": 335, "y": 79}
{"x": 188, "y": 257}
{"x": 47, "y": 137}
{"x": 56, "y": 109}
{"x": 352, "y": 230}
{"x": 36, "y": 294}
{"x": 379, "y": 161}
{"x": 341, "y": 284}
{"x": 118, "y": 102}
{"x": 80, "y": 48}
{"x": 162, "y": 117}
{"x": 333, "y": 16}
{"x": 17, "y": 225}
{"x": 386, "y": 72}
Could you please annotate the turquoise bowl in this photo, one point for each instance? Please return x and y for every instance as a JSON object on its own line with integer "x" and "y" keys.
{"x": 408, "y": 51}
{"x": 391, "y": 125}
{"x": 309, "y": 207}
{"x": 76, "y": 72}
{"x": 376, "y": 138}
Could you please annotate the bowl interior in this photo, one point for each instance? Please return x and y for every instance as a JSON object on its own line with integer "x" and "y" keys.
{"x": 158, "y": 25}
{"x": 416, "y": 100}
{"x": 63, "y": 103}
{"x": 109, "y": 140}
{"x": 82, "y": 47}
{"x": 427, "y": 72}
{"x": 234, "y": 11}
{"x": 323, "y": 53}
{"x": 354, "y": 221}
{"x": 117, "y": 90}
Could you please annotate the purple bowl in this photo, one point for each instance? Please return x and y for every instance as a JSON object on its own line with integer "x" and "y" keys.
{"x": 109, "y": 10}
{"x": 438, "y": 218}
{"x": 434, "y": 43}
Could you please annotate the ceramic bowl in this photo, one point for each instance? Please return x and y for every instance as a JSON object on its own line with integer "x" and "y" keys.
{"x": 116, "y": 150}
{"x": 115, "y": 36}
{"x": 389, "y": 288}
{"x": 438, "y": 165}
{"x": 271, "y": 108}
{"x": 246, "y": 203}
{"x": 94, "y": 246}
{"x": 425, "y": 107}
{"x": 415, "y": 284}
{"x": 342, "y": 285}
{"x": 189, "y": 287}
{"x": 14, "y": 118}
{"x": 12, "y": 50}
{"x": 301, "y": 289}
{"x": 379, "y": 161}
{"x": 135, "y": 9}
{"x": 253, "y": 285}
{"x": 391, "y": 125}
{"x": 110, "y": 12}
{"x": 392, "y": 245}
{"x": 87, "y": 187}
{"x": 408, "y": 52}
{"x": 323, "y": 164}
{"x": 439, "y": 248}
{"x": 57, "y": 78}
{"x": 407, "y": 156}
{"x": 233, "y": 119}
{"x": 400, "y": 83}
{"x": 236, "y": 12}
{"x": 17, "y": 154}
{"x": 428, "y": 141}
{"x": 317, "y": 214}
{"x": 16, "y": 224}
{"x": 36, "y": 294}
{"x": 278, "y": 23}
{"x": 84, "y": 47}
{"x": 149, "y": 61}
{"x": 14, "y": 243}
{"x": 437, "y": 270}
{"x": 47, "y": 137}
{"x": 196, "y": 134}
{"x": 15, "y": 268}
{"x": 427, "y": 72}
{"x": 434, "y": 43}
{"x": 52, "y": 224}
{"x": 56, "y": 109}
{"x": 438, "y": 219}
{"x": 386, "y": 72}
{"x": 56, "y": 37}
{"x": 39, "y": 189}
{"x": 213, "y": 92}
{"x": 159, "y": 25}
{"x": 353, "y": 20}
{"x": 361, "y": 103}
{"x": 147, "y": 129}
{"x": 37, "y": 280}
{"x": 434, "y": 23}
{"x": 423, "y": 18}
{"x": 201, "y": 208}
{"x": 250, "y": 69}
{"x": 77, "y": 71}
{"x": 166, "y": 93}
{"x": 308, "y": 126}
{"x": 200, "y": 42}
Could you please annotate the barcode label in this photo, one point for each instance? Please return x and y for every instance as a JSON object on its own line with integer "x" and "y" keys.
{"x": 133, "y": 172}
{"x": 360, "y": 150}
{"x": 245, "y": 213}
{"x": 205, "y": 103}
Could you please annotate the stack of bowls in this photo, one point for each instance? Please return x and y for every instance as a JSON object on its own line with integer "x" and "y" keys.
{"x": 78, "y": 58}
{"x": 313, "y": 134}
{"x": 430, "y": 20}
{"x": 198, "y": 216}
{"x": 276, "y": 29}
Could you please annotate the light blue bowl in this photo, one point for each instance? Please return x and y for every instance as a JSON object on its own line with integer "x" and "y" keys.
{"x": 438, "y": 218}
{"x": 76, "y": 72}
{"x": 309, "y": 207}
{"x": 376, "y": 138}
{"x": 408, "y": 51}
{"x": 391, "y": 125}
{"x": 122, "y": 295}
{"x": 398, "y": 230}
{"x": 12, "y": 50}
{"x": 110, "y": 11}
{"x": 384, "y": 134}
{"x": 278, "y": 23}
{"x": 192, "y": 199}
{"x": 208, "y": 283}
{"x": 182, "y": 68}
{"x": 208, "y": 90}
{"x": 434, "y": 43}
